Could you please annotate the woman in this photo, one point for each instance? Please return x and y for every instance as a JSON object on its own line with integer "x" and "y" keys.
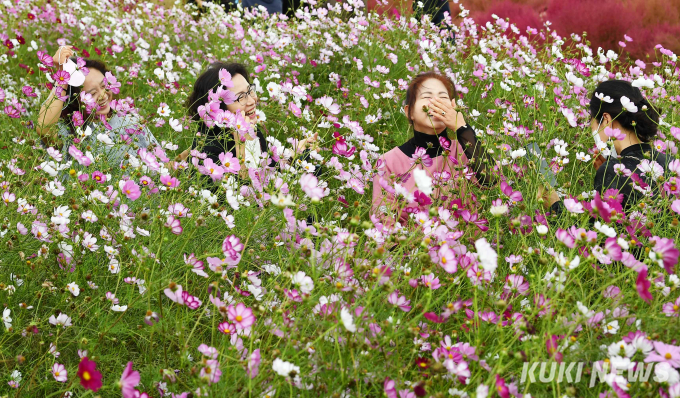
{"x": 430, "y": 108}
{"x": 224, "y": 102}
{"x": 81, "y": 112}
{"x": 620, "y": 114}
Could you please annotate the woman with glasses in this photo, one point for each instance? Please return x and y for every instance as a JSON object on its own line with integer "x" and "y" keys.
{"x": 78, "y": 110}
{"x": 208, "y": 101}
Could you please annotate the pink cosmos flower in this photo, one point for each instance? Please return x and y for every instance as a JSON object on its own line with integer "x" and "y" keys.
{"x": 254, "y": 364}
{"x": 343, "y": 149}
{"x": 59, "y": 373}
{"x": 513, "y": 196}
{"x": 211, "y": 169}
{"x": 12, "y": 112}
{"x": 390, "y": 388}
{"x": 226, "y": 328}
{"x": 294, "y": 109}
{"x": 667, "y": 353}
{"x": 169, "y": 181}
{"x": 447, "y": 259}
{"x": 516, "y": 284}
{"x": 231, "y": 246}
{"x": 211, "y": 371}
{"x": 208, "y": 352}
{"x": 230, "y": 163}
{"x": 614, "y": 133}
{"x": 225, "y": 78}
{"x": 566, "y": 238}
{"x": 112, "y": 83}
{"x": 196, "y": 265}
{"x": 128, "y": 381}
{"x": 676, "y": 206}
{"x": 664, "y": 253}
{"x": 98, "y": 176}
{"x": 672, "y": 309}
{"x": 8, "y": 197}
{"x": 309, "y": 184}
{"x": 420, "y": 156}
{"x": 174, "y": 293}
{"x": 431, "y": 281}
{"x": 131, "y": 190}
{"x": 191, "y": 301}
{"x": 174, "y": 224}
{"x": 241, "y": 315}
{"x": 179, "y": 210}
{"x": 642, "y": 285}
{"x": 79, "y": 157}
{"x": 61, "y": 77}
{"x": 399, "y": 301}
{"x": 503, "y": 390}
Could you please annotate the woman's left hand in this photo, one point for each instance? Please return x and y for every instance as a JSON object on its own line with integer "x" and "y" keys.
{"x": 445, "y": 111}
{"x": 303, "y": 144}
{"x": 546, "y": 196}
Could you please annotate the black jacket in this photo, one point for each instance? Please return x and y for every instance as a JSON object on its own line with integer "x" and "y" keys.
{"x": 606, "y": 176}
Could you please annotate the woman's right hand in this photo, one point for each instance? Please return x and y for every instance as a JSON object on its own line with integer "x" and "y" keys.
{"x": 599, "y": 160}
{"x": 62, "y": 55}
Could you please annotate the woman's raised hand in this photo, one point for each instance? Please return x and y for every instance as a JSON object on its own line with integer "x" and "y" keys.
{"x": 62, "y": 55}
{"x": 445, "y": 111}
{"x": 303, "y": 144}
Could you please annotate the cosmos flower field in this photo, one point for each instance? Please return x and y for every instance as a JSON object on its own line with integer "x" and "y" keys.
{"x": 139, "y": 280}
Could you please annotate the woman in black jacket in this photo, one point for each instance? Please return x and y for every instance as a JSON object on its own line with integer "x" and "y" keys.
{"x": 223, "y": 92}
{"x": 634, "y": 173}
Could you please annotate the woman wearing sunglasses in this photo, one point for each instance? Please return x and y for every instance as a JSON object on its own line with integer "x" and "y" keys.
{"x": 224, "y": 96}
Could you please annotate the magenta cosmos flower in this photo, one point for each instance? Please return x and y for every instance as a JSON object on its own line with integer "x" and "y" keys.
{"x": 90, "y": 377}
{"x": 241, "y": 315}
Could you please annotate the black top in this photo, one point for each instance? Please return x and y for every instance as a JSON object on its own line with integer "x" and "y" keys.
{"x": 607, "y": 178}
{"x": 473, "y": 149}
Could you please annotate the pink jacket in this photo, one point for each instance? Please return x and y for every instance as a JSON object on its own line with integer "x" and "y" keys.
{"x": 397, "y": 166}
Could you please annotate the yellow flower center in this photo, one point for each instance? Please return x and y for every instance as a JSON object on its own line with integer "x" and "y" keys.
{"x": 668, "y": 355}
{"x": 86, "y": 376}
{"x": 239, "y": 318}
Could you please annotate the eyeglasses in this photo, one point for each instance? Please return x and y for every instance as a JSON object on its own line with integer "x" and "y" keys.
{"x": 243, "y": 97}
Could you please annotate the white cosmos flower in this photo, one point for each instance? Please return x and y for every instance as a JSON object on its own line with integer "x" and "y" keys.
{"x": 6, "y": 319}
{"x": 77, "y": 77}
{"x": 347, "y": 320}
{"x": 486, "y": 255}
{"x": 119, "y": 308}
{"x": 423, "y": 181}
{"x": 604, "y": 98}
{"x": 105, "y": 139}
{"x": 73, "y": 288}
{"x": 584, "y": 310}
{"x": 628, "y": 104}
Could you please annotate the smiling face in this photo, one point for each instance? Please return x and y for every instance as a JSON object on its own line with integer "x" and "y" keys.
{"x": 249, "y": 103}
{"x": 430, "y": 88}
{"x": 94, "y": 84}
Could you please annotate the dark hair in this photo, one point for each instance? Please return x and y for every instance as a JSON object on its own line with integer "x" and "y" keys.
{"x": 412, "y": 90}
{"x": 209, "y": 80}
{"x": 643, "y": 122}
